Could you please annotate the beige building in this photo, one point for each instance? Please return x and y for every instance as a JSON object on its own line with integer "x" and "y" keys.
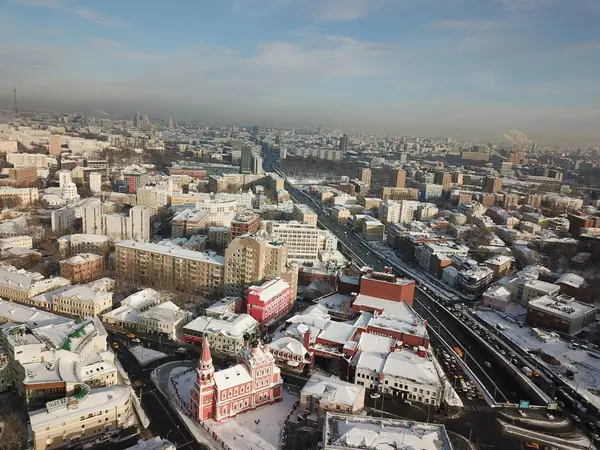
{"x": 396, "y": 193}
{"x": 372, "y": 229}
{"x": 159, "y": 266}
{"x": 83, "y": 243}
{"x": 82, "y": 301}
{"x": 55, "y": 145}
{"x": 21, "y": 286}
{"x": 304, "y": 240}
{"x": 304, "y": 214}
{"x": 250, "y": 259}
{"x": 134, "y": 225}
{"x": 340, "y": 214}
{"x": 86, "y": 414}
{"x": 21, "y": 196}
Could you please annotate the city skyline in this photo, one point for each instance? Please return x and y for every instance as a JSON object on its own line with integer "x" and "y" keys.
{"x": 460, "y": 69}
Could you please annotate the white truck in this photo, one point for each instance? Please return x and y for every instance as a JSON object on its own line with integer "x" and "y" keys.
{"x": 527, "y": 371}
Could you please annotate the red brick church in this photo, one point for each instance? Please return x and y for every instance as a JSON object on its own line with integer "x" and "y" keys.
{"x": 254, "y": 382}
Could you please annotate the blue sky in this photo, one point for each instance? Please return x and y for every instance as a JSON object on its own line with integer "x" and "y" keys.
{"x": 461, "y": 68}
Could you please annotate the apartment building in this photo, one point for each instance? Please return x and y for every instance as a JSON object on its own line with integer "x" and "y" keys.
{"x": 157, "y": 265}
{"x": 82, "y": 267}
{"x": 244, "y": 223}
{"x": 74, "y": 244}
{"x": 304, "y": 214}
{"x": 304, "y": 240}
{"x": 251, "y": 258}
{"x": 189, "y": 222}
{"x": 82, "y": 301}
{"x": 135, "y": 180}
{"x": 134, "y": 225}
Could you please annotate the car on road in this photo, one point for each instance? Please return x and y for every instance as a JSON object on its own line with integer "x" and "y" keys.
{"x": 532, "y": 445}
{"x": 115, "y": 346}
{"x": 130, "y": 335}
{"x": 596, "y": 437}
{"x": 576, "y": 418}
{"x": 136, "y": 340}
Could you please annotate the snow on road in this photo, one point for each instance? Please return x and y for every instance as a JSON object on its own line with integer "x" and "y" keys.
{"x": 146, "y": 355}
{"x": 585, "y": 363}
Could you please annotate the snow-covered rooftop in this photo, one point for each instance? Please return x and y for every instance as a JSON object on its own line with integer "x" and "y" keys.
{"x": 229, "y": 324}
{"x": 81, "y": 258}
{"x": 233, "y": 376}
{"x": 571, "y": 279}
{"x": 155, "y": 443}
{"x": 333, "y": 390}
{"x": 269, "y": 289}
{"x": 167, "y": 312}
{"x": 561, "y": 306}
{"x": 287, "y": 343}
{"x": 344, "y": 432}
{"x": 407, "y": 364}
{"x": 207, "y": 257}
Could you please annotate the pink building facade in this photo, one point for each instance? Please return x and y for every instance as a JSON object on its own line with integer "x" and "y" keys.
{"x": 269, "y": 301}
{"x": 253, "y": 383}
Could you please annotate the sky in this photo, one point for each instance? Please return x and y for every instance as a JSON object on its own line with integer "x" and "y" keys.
{"x": 468, "y": 69}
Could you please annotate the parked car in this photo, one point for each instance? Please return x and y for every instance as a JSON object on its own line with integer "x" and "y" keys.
{"x": 576, "y": 418}
{"x": 532, "y": 445}
{"x": 487, "y": 364}
{"x": 115, "y": 346}
{"x": 130, "y": 335}
{"x": 136, "y": 340}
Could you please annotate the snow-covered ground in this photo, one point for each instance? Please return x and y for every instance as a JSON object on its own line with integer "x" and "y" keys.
{"x": 586, "y": 367}
{"x": 146, "y": 355}
{"x": 243, "y": 433}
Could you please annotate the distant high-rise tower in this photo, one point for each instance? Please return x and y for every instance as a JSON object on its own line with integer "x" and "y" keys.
{"x": 136, "y": 120}
{"x": 344, "y": 143}
{"x": 16, "y": 110}
{"x": 145, "y": 122}
{"x": 320, "y": 130}
{"x": 171, "y": 124}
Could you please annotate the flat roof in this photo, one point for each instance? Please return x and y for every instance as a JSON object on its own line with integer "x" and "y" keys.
{"x": 345, "y": 432}
{"x": 269, "y": 289}
{"x": 211, "y": 258}
{"x": 561, "y": 306}
{"x": 407, "y": 364}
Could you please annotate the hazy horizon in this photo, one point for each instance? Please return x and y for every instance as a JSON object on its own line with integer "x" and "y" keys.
{"x": 459, "y": 68}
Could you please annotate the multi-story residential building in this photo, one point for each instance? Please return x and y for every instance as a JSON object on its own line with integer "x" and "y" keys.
{"x": 95, "y": 182}
{"x": 225, "y": 333}
{"x": 475, "y": 280}
{"x": 251, "y": 258}
{"x": 22, "y": 177}
{"x": 254, "y": 382}
{"x": 364, "y": 175}
{"x": 424, "y": 252}
{"x": 218, "y": 238}
{"x": 135, "y": 180}
{"x": 561, "y": 313}
{"x": 340, "y": 214}
{"x": 82, "y": 301}
{"x": 85, "y": 415}
{"x": 165, "y": 319}
{"x": 443, "y": 178}
{"x": 189, "y": 222}
{"x": 270, "y": 301}
{"x": 244, "y": 223}
{"x": 74, "y": 244}
{"x": 160, "y": 266}
{"x": 372, "y": 229}
{"x": 511, "y": 201}
{"x": 134, "y": 225}
{"x": 492, "y": 185}
{"x": 304, "y": 214}
{"x": 501, "y": 265}
{"x": 394, "y": 193}
{"x": 38, "y": 160}
{"x": 19, "y": 196}
{"x": 304, "y": 240}
{"x": 400, "y": 178}
{"x": 21, "y": 286}
{"x": 321, "y": 394}
{"x": 153, "y": 197}
{"x": 82, "y": 267}
{"x": 17, "y": 241}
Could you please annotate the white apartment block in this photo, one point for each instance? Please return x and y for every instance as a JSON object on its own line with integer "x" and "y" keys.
{"x": 402, "y": 211}
{"x": 96, "y": 182}
{"x": 8, "y": 147}
{"x": 38, "y": 160}
{"x": 17, "y": 241}
{"x": 82, "y": 416}
{"x": 304, "y": 240}
{"x": 64, "y": 177}
{"x": 152, "y": 197}
{"x": 165, "y": 319}
{"x": 319, "y": 153}
{"x": 82, "y": 301}
{"x": 135, "y": 225}
{"x": 424, "y": 252}
{"x": 24, "y": 196}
